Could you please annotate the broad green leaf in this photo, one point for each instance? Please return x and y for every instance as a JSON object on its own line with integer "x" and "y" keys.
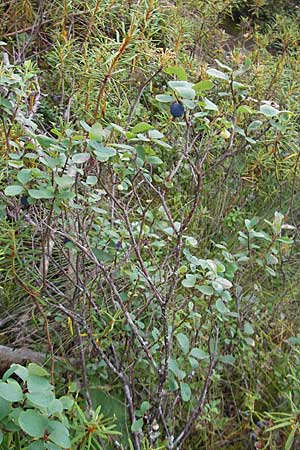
{"x": 41, "y": 193}
{"x": 269, "y": 111}
{"x": 1, "y": 437}
{"x": 5, "y": 103}
{"x": 11, "y": 391}
{"x": 102, "y": 153}
{"x": 250, "y": 341}
{"x": 217, "y": 74}
{"x": 162, "y": 143}
{"x": 41, "y": 398}
{"x": 178, "y": 71}
{"x": 59, "y": 434}
{"x": 223, "y": 66}
{"x": 210, "y": 105}
{"x": 54, "y": 407}
{"x": 254, "y": 125}
{"x": 67, "y": 402}
{"x": 226, "y": 284}
{"x": 185, "y": 392}
{"x": 236, "y": 85}
{"x": 141, "y": 127}
{"x": 144, "y": 407}
{"x": 221, "y": 307}
{"x": 189, "y": 281}
{"x": 92, "y": 180}
{"x": 14, "y": 189}
{"x": 190, "y": 104}
{"x": 191, "y": 241}
{"x": 80, "y": 158}
{"x": 175, "y": 84}
{"x": 193, "y": 362}
{"x": 173, "y": 385}
{"x": 245, "y": 109}
{"x": 227, "y": 359}
{"x": 19, "y": 370}
{"x": 24, "y": 176}
{"x": 37, "y": 384}
{"x": 33, "y": 423}
{"x": 65, "y": 181}
{"x": 198, "y": 353}
{"x": 155, "y": 134}
{"x": 15, "y": 414}
{"x": 137, "y": 425}
{"x": 84, "y": 125}
{"x": 155, "y": 160}
{"x": 163, "y": 98}
{"x": 248, "y": 329}
{"x": 173, "y": 366}
{"x": 184, "y": 342}
{"x": 40, "y": 445}
{"x": 117, "y": 127}
{"x": 5, "y": 407}
{"x": 205, "y": 289}
{"x": 186, "y": 92}
{"x": 96, "y": 132}
{"x": 45, "y": 141}
{"x": 35, "y": 369}
{"x": 204, "y": 85}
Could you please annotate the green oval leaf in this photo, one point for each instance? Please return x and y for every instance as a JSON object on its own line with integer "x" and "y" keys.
{"x": 204, "y": 85}
{"x": 14, "y": 189}
{"x": 186, "y": 92}
{"x": 37, "y": 384}
{"x": 198, "y": 353}
{"x": 183, "y": 342}
{"x": 59, "y": 434}
{"x": 164, "y": 98}
{"x": 141, "y": 127}
{"x": 221, "y": 307}
{"x": 217, "y": 74}
{"x": 5, "y": 407}
{"x": 41, "y": 193}
{"x": 269, "y": 111}
{"x": 178, "y": 71}
{"x": 80, "y": 158}
{"x": 206, "y": 290}
{"x": 35, "y": 369}
{"x": 41, "y": 399}
{"x": 96, "y": 132}
{"x": 24, "y": 176}
{"x": 33, "y": 423}
{"x": 189, "y": 281}
{"x": 137, "y": 425}
{"x": 11, "y": 391}
{"x": 185, "y": 392}
{"x": 102, "y": 153}
{"x": 210, "y": 105}
{"x": 65, "y": 181}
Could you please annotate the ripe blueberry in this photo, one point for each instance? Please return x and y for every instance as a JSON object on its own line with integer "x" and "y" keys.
{"x": 177, "y": 109}
{"x": 253, "y": 436}
{"x": 24, "y": 201}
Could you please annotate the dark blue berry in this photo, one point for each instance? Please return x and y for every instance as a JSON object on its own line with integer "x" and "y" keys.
{"x": 253, "y": 436}
{"x": 177, "y": 109}
{"x": 118, "y": 245}
{"x": 24, "y": 201}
